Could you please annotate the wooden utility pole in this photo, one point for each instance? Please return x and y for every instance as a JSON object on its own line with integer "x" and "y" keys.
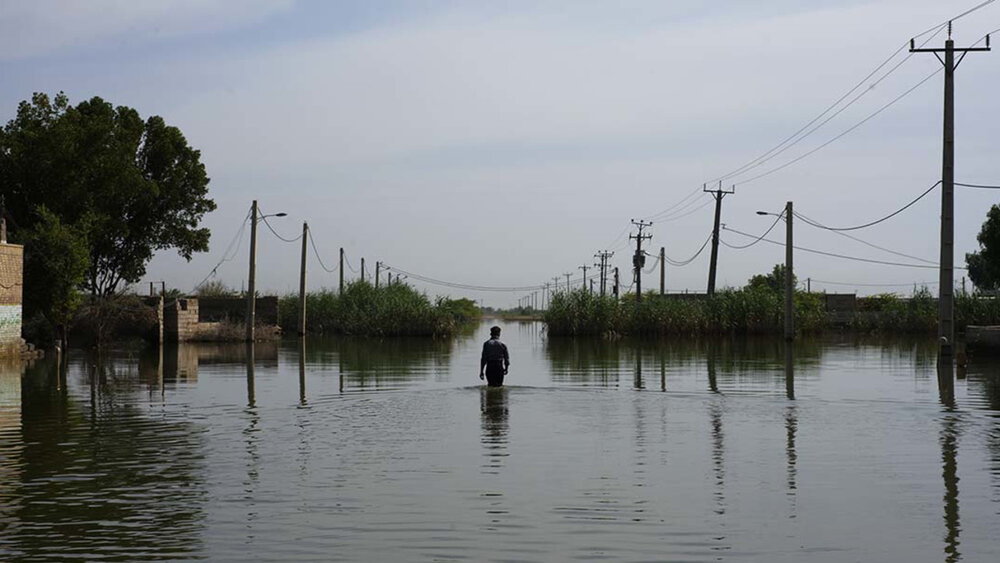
{"x": 252, "y": 277}
{"x": 789, "y": 277}
{"x": 302, "y": 280}
{"x": 663, "y": 270}
{"x": 639, "y": 258}
{"x": 603, "y": 257}
{"x": 341, "y": 268}
{"x": 946, "y": 274}
{"x": 712, "y": 265}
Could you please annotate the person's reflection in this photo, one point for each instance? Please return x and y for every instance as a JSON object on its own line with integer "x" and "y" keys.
{"x": 493, "y": 404}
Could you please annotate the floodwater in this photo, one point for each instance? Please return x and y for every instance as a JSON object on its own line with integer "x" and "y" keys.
{"x": 841, "y": 449}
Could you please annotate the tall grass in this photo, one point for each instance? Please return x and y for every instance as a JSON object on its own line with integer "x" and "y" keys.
{"x": 363, "y": 310}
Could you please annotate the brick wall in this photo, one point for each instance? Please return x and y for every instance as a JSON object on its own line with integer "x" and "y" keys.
{"x": 11, "y": 273}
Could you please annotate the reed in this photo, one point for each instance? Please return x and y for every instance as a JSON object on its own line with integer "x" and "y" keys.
{"x": 364, "y": 310}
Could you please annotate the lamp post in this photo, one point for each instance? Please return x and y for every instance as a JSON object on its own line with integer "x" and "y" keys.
{"x": 789, "y": 275}
{"x": 252, "y": 278}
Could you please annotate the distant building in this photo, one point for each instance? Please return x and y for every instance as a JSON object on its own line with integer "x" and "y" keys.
{"x": 11, "y": 274}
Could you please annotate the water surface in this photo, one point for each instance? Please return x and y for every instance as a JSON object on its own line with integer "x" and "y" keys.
{"x": 839, "y": 449}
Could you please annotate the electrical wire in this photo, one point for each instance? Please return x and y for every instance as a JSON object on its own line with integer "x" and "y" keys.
{"x": 275, "y": 233}
{"x": 980, "y": 186}
{"x": 758, "y": 239}
{"x": 872, "y": 245}
{"x": 312, "y": 241}
{"x": 457, "y": 285}
{"x": 679, "y": 215}
{"x": 348, "y": 262}
{"x": 238, "y": 241}
{"x": 835, "y": 255}
{"x": 872, "y": 223}
{"x": 682, "y": 263}
{"x": 825, "y": 282}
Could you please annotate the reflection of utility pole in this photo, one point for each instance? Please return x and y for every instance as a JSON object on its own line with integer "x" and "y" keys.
{"x": 946, "y": 279}
{"x": 567, "y": 281}
{"x": 639, "y": 259}
{"x": 712, "y": 265}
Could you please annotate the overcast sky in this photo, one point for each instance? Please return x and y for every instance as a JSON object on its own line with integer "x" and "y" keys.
{"x": 504, "y": 143}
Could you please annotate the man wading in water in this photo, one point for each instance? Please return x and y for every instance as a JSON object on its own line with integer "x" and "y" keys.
{"x": 495, "y": 359}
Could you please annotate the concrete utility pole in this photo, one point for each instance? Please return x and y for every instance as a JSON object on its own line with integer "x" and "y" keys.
{"x": 712, "y": 265}
{"x": 555, "y": 284}
{"x": 378, "y": 272}
{"x": 789, "y": 277}
{"x": 584, "y": 268}
{"x": 591, "y": 286}
{"x": 252, "y": 277}
{"x": 362, "y": 268}
{"x": 567, "y": 281}
{"x": 302, "y": 280}
{"x": 639, "y": 259}
{"x": 615, "y": 287}
{"x": 341, "y": 269}
{"x": 663, "y": 270}
{"x": 946, "y": 279}
{"x": 603, "y": 256}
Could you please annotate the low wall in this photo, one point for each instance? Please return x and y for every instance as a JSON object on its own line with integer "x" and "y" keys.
{"x": 215, "y": 309}
{"x": 11, "y": 274}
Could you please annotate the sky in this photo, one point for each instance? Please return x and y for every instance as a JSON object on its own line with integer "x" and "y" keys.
{"x": 503, "y": 144}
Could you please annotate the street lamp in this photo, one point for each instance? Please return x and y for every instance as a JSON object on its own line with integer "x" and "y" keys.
{"x": 252, "y": 281}
{"x": 789, "y": 276}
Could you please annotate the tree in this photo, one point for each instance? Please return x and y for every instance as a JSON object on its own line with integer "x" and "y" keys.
{"x": 775, "y": 281}
{"x": 128, "y": 187}
{"x": 56, "y": 263}
{"x": 984, "y": 266}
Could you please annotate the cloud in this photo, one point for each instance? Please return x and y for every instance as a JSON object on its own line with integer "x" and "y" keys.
{"x": 42, "y": 27}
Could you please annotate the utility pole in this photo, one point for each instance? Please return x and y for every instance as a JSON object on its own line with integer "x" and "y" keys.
{"x": 302, "y": 280}
{"x": 584, "y": 268}
{"x": 567, "y": 281}
{"x": 615, "y": 287}
{"x": 639, "y": 259}
{"x": 591, "y": 286}
{"x": 713, "y": 264}
{"x": 789, "y": 277}
{"x": 603, "y": 256}
{"x": 341, "y": 269}
{"x": 946, "y": 279}
{"x": 378, "y": 272}
{"x": 362, "y": 268}
{"x": 555, "y": 284}
{"x": 252, "y": 278}
{"x": 663, "y": 270}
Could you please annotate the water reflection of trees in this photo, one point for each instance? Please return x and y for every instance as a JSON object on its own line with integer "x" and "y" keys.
{"x": 100, "y": 476}
{"x": 389, "y": 362}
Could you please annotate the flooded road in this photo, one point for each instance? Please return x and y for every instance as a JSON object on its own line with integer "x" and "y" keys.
{"x": 841, "y": 449}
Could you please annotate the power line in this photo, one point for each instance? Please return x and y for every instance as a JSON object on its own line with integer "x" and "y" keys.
{"x": 835, "y": 255}
{"x": 263, "y": 218}
{"x": 312, "y": 241}
{"x": 681, "y": 263}
{"x": 457, "y": 285}
{"x": 757, "y": 239}
{"x": 348, "y": 262}
{"x": 980, "y": 186}
{"x": 825, "y": 282}
{"x": 872, "y": 245}
{"x": 238, "y": 240}
{"x": 876, "y": 222}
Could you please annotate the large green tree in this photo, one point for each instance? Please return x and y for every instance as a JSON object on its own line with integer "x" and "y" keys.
{"x": 984, "y": 266}
{"x": 127, "y": 186}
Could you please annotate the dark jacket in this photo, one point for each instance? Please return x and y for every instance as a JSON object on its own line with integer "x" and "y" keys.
{"x": 495, "y": 351}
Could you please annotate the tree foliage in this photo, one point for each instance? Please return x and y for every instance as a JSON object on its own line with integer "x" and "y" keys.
{"x": 774, "y": 281}
{"x": 984, "y": 265}
{"x": 126, "y": 186}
